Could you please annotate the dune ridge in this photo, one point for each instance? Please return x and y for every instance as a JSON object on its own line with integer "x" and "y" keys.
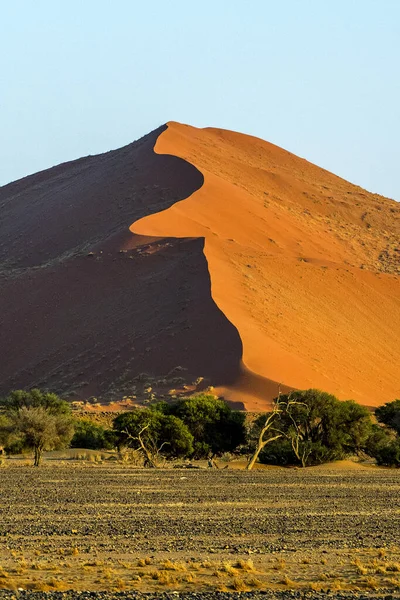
{"x": 304, "y": 264}
{"x": 89, "y": 310}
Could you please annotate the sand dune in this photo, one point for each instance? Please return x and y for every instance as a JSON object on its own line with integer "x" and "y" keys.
{"x": 198, "y": 253}
{"x": 304, "y": 265}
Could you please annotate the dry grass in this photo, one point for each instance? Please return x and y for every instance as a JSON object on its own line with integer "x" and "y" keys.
{"x": 360, "y": 568}
{"x": 279, "y": 565}
{"x": 287, "y": 581}
{"x": 143, "y": 562}
{"x": 245, "y": 565}
{"x": 226, "y": 567}
{"x": 253, "y": 582}
{"x": 239, "y": 585}
{"x": 163, "y": 577}
{"x": 174, "y": 566}
{"x": 371, "y": 583}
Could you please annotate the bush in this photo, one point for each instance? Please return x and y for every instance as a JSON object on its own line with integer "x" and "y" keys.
{"x": 91, "y": 436}
{"x": 384, "y": 446}
{"x": 389, "y": 454}
{"x": 215, "y": 427}
{"x": 389, "y": 414}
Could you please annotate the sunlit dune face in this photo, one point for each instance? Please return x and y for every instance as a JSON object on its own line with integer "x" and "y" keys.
{"x": 301, "y": 262}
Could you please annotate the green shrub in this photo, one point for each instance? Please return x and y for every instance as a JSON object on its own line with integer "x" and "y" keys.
{"x": 215, "y": 427}
{"x": 389, "y": 414}
{"x": 384, "y": 446}
{"x": 91, "y": 436}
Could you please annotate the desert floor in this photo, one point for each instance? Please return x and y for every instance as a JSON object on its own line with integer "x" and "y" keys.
{"x": 76, "y": 525}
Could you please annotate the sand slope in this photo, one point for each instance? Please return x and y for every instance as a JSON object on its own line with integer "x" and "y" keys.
{"x": 304, "y": 264}
{"x": 87, "y": 308}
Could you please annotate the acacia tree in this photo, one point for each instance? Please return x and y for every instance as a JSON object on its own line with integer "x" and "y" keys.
{"x": 37, "y": 421}
{"x": 40, "y": 430}
{"x": 316, "y": 428}
{"x": 215, "y": 427}
{"x": 154, "y": 435}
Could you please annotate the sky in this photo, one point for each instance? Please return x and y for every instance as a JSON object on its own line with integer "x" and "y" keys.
{"x": 320, "y": 78}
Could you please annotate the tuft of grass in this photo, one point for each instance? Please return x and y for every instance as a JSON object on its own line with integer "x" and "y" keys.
{"x": 163, "y": 577}
{"x": 143, "y": 562}
{"x": 207, "y": 564}
{"x": 336, "y": 585}
{"x": 279, "y": 565}
{"x": 360, "y": 568}
{"x": 57, "y": 584}
{"x": 315, "y": 586}
{"x": 253, "y": 582}
{"x": 380, "y": 571}
{"x": 218, "y": 574}
{"x": 227, "y": 568}
{"x": 239, "y": 585}
{"x": 189, "y": 578}
{"x": 120, "y": 584}
{"x": 37, "y": 586}
{"x": 287, "y": 581}
{"x": 371, "y": 583}
{"x": 108, "y": 574}
{"x": 171, "y": 566}
{"x": 245, "y": 565}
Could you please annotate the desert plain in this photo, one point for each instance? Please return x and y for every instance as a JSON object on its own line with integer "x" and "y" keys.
{"x": 94, "y": 525}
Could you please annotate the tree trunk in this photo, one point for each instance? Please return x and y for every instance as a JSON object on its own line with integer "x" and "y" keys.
{"x": 38, "y": 456}
{"x": 261, "y": 445}
{"x": 253, "y": 459}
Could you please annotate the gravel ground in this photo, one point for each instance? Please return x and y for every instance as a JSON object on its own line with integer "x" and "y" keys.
{"x": 324, "y": 528}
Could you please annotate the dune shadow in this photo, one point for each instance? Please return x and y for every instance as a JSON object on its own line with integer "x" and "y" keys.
{"x": 85, "y": 303}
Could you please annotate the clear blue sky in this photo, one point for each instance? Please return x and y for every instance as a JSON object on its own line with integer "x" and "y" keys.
{"x": 320, "y": 78}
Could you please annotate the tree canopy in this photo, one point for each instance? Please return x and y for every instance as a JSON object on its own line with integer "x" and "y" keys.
{"x": 154, "y": 434}
{"x": 33, "y": 399}
{"x": 316, "y": 427}
{"x": 389, "y": 414}
{"x": 215, "y": 427}
{"x": 35, "y": 420}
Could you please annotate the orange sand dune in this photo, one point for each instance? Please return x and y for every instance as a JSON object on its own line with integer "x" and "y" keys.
{"x": 304, "y": 264}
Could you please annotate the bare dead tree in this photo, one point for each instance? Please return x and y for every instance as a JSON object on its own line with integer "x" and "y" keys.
{"x": 151, "y": 452}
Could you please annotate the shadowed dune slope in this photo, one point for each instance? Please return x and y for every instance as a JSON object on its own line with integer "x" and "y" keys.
{"x": 304, "y": 264}
{"x": 85, "y": 306}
